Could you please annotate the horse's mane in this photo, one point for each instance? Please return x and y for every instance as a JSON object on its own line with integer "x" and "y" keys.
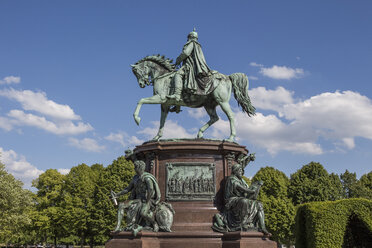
{"x": 161, "y": 60}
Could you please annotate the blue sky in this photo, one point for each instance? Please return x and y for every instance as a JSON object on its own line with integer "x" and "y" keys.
{"x": 67, "y": 93}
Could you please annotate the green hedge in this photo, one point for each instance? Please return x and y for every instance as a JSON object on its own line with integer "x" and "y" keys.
{"x": 336, "y": 224}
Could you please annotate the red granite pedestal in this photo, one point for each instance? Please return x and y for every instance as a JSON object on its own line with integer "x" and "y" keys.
{"x": 194, "y": 215}
{"x": 190, "y": 239}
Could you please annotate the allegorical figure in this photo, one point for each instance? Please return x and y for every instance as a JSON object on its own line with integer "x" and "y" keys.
{"x": 143, "y": 209}
{"x": 242, "y": 210}
{"x": 194, "y": 72}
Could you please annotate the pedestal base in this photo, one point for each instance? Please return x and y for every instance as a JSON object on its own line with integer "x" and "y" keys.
{"x": 190, "y": 240}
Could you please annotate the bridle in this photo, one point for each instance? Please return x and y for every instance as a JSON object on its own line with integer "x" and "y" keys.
{"x": 140, "y": 72}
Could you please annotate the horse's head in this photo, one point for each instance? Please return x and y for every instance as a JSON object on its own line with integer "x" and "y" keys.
{"x": 151, "y": 67}
{"x": 141, "y": 71}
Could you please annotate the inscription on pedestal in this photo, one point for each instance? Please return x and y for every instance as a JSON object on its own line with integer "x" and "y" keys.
{"x": 190, "y": 181}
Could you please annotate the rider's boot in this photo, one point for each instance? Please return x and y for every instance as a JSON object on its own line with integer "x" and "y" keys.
{"x": 177, "y": 88}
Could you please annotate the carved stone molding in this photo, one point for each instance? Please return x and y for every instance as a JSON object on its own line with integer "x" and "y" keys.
{"x": 231, "y": 159}
{"x": 150, "y": 158}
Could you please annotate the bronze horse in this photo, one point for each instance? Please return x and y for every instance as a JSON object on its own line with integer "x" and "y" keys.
{"x": 158, "y": 71}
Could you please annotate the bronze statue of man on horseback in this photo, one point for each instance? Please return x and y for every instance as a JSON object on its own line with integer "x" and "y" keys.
{"x": 194, "y": 70}
{"x": 193, "y": 85}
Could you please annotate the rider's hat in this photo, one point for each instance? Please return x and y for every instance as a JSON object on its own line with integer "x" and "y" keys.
{"x": 193, "y": 34}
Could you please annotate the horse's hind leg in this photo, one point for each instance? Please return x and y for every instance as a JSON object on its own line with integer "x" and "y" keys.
{"x": 225, "y": 106}
{"x": 213, "y": 117}
{"x": 163, "y": 117}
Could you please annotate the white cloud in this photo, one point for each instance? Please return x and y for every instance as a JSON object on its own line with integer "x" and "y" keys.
{"x": 270, "y": 133}
{"x": 86, "y": 144}
{"x": 254, "y": 64}
{"x": 38, "y": 101}
{"x": 171, "y": 130}
{"x": 55, "y": 118}
{"x": 348, "y": 142}
{"x": 6, "y": 124}
{"x": 252, "y": 78}
{"x": 60, "y": 127}
{"x": 338, "y": 117}
{"x": 270, "y": 99}
{"x": 63, "y": 171}
{"x": 19, "y": 167}
{"x": 124, "y": 139}
{"x": 282, "y": 72}
{"x": 197, "y": 113}
{"x": 10, "y": 80}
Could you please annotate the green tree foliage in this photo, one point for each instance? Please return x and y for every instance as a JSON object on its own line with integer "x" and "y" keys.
{"x": 354, "y": 188}
{"x": 76, "y": 208}
{"x": 365, "y": 186}
{"x": 313, "y": 183}
{"x": 279, "y": 209}
{"x": 47, "y": 219}
{"x": 78, "y": 203}
{"x": 115, "y": 177}
{"x": 15, "y": 206}
{"x": 349, "y": 184}
{"x": 275, "y": 182}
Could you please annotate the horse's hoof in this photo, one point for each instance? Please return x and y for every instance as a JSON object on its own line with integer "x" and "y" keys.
{"x": 199, "y": 136}
{"x": 156, "y": 138}
{"x": 230, "y": 139}
{"x": 137, "y": 120}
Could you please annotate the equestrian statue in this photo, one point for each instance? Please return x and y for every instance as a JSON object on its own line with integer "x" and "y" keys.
{"x": 191, "y": 83}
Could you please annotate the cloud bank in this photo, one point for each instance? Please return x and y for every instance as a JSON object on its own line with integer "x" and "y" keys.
{"x": 297, "y": 125}
{"x": 19, "y": 167}
{"x": 41, "y": 113}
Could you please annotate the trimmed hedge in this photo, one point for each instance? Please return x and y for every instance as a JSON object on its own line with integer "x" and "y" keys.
{"x": 336, "y": 224}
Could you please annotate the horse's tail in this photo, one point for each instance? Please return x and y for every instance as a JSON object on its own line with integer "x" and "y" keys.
{"x": 240, "y": 85}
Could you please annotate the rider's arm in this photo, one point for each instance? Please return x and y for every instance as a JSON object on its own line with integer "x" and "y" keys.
{"x": 186, "y": 51}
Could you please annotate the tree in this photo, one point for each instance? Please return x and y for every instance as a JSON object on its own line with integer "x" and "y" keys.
{"x": 313, "y": 183}
{"x": 349, "y": 184}
{"x": 279, "y": 209}
{"x": 115, "y": 177}
{"x": 47, "y": 220}
{"x": 15, "y": 205}
{"x": 78, "y": 200}
{"x": 364, "y": 189}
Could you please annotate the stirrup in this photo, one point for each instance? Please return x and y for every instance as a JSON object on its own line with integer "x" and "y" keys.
{"x": 176, "y": 109}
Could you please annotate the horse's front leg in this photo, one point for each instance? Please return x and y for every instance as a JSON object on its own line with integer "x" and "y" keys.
{"x": 163, "y": 117}
{"x": 156, "y": 99}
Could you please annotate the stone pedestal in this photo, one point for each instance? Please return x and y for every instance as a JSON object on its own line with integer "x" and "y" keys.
{"x": 167, "y": 159}
{"x": 179, "y": 166}
{"x": 190, "y": 239}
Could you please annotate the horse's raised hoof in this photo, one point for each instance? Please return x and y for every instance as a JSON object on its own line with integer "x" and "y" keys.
{"x": 137, "y": 120}
{"x": 200, "y": 135}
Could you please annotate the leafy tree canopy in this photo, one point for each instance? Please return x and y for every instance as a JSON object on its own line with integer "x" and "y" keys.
{"x": 313, "y": 183}
{"x": 15, "y": 204}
